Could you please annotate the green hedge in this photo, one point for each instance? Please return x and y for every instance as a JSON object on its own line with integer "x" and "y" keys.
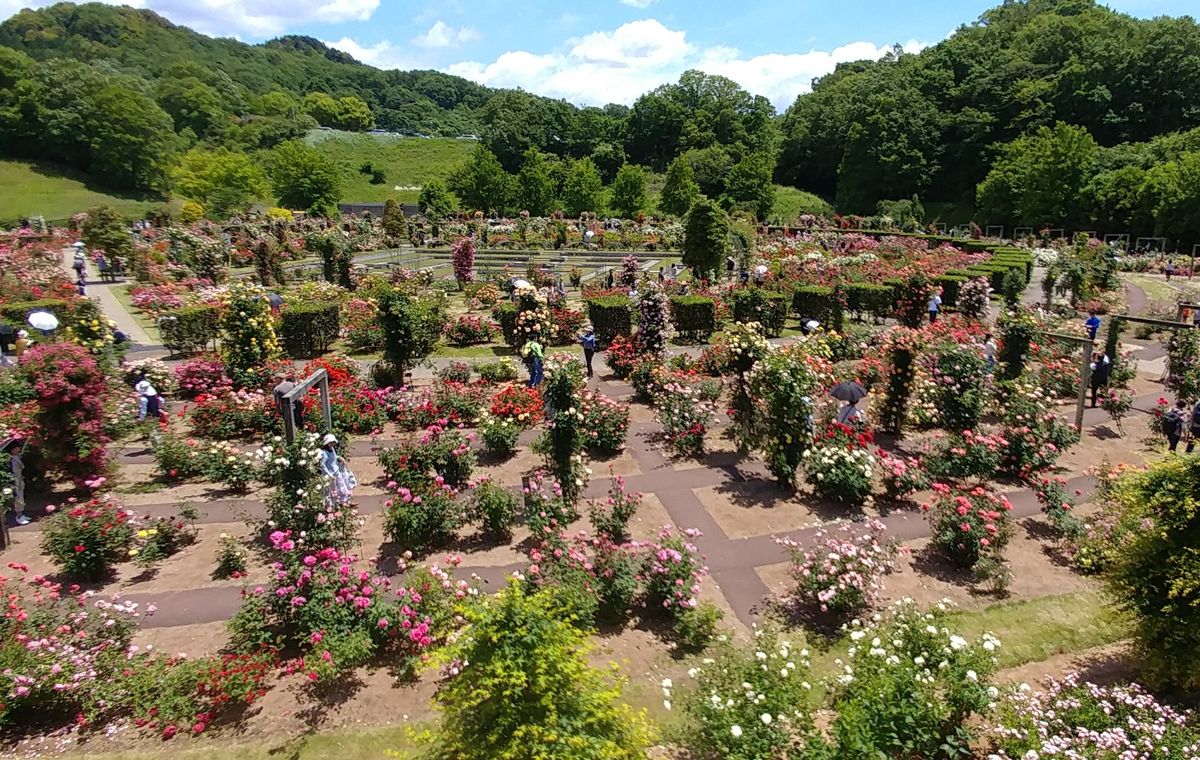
{"x": 191, "y": 328}
{"x": 309, "y": 329}
{"x": 766, "y": 307}
{"x": 869, "y": 298}
{"x": 15, "y": 313}
{"x": 505, "y": 315}
{"x": 950, "y": 283}
{"x": 611, "y": 316}
{"x": 694, "y": 317}
{"x": 820, "y": 303}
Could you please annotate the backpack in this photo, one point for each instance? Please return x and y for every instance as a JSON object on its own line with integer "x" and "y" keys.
{"x": 1171, "y": 422}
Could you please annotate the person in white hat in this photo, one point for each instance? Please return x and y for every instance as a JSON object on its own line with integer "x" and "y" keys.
{"x": 13, "y": 448}
{"x": 149, "y": 402}
{"x": 341, "y": 479}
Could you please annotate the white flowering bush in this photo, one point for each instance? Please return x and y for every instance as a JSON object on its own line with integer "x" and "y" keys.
{"x": 300, "y": 505}
{"x": 911, "y": 685}
{"x": 974, "y": 298}
{"x": 748, "y": 704}
{"x": 839, "y": 472}
{"x": 842, "y": 569}
{"x": 1082, "y": 721}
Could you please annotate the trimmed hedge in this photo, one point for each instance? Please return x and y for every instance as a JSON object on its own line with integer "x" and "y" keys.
{"x": 870, "y": 298}
{"x": 309, "y": 329}
{"x": 694, "y": 317}
{"x": 950, "y": 283}
{"x": 191, "y": 328}
{"x": 766, "y": 307}
{"x": 15, "y": 313}
{"x": 505, "y": 315}
{"x": 820, "y": 303}
{"x": 611, "y": 316}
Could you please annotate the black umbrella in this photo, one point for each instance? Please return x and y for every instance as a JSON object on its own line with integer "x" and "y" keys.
{"x": 850, "y": 391}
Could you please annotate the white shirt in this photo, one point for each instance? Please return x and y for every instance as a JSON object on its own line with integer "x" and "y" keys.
{"x": 934, "y": 303}
{"x": 145, "y": 388}
{"x": 848, "y": 414}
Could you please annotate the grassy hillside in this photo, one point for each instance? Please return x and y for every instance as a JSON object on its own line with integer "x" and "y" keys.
{"x": 31, "y": 188}
{"x": 408, "y": 162}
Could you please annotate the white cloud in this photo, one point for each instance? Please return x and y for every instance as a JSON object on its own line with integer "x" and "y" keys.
{"x": 381, "y": 55}
{"x": 618, "y": 66}
{"x": 253, "y": 18}
{"x": 638, "y": 3}
{"x": 442, "y": 35}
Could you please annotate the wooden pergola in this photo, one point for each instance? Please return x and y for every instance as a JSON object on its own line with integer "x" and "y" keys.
{"x": 319, "y": 378}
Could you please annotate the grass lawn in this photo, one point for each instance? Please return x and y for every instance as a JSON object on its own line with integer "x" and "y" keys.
{"x": 358, "y": 743}
{"x": 34, "y": 188}
{"x": 1156, "y": 288}
{"x": 408, "y": 162}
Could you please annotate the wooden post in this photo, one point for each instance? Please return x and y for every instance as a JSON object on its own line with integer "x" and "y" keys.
{"x": 320, "y": 377}
{"x": 1084, "y": 378}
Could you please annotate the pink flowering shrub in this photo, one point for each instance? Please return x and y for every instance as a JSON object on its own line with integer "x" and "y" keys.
{"x": 423, "y": 517}
{"x": 202, "y": 375}
{"x": 462, "y": 254}
{"x": 336, "y": 615}
{"x": 965, "y": 456}
{"x": 611, "y": 517}
{"x": 605, "y": 423}
{"x": 1082, "y": 720}
{"x": 594, "y": 578}
{"x": 842, "y": 572}
{"x": 70, "y": 389}
{"x": 674, "y": 571}
{"x": 233, "y": 414}
{"x": 440, "y": 451}
{"x": 360, "y": 324}
{"x": 469, "y": 330}
{"x": 901, "y": 475}
{"x": 968, "y": 525}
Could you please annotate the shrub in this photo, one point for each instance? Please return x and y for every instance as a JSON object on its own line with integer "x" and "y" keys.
{"x": 224, "y": 464}
{"x": 622, "y": 356}
{"x": 966, "y": 456}
{"x": 439, "y": 452}
{"x": 202, "y": 375}
{"x": 821, "y": 303}
{"x": 765, "y": 307}
{"x": 902, "y": 476}
{"x": 455, "y": 372}
{"x": 1085, "y": 720}
{"x": 842, "y": 571}
{"x": 974, "y": 298}
{"x": 864, "y": 298}
{"x": 499, "y": 435}
{"x": 517, "y": 404}
{"x": 423, "y": 519}
{"x": 70, "y": 388}
{"x": 951, "y": 286}
{"x": 528, "y": 690}
{"x": 86, "y": 540}
{"x": 911, "y": 687}
{"x": 496, "y": 507}
{"x": 684, "y": 419}
{"x": 360, "y": 319}
{"x": 300, "y": 507}
{"x": 648, "y": 378}
{"x": 968, "y": 525}
{"x": 959, "y": 375}
{"x": 746, "y": 707}
{"x": 500, "y": 371}
{"x": 309, "y": 329}
{"x": 674, "y": 571}
{"x": 505, "y": 315}
{"x": 694, "y": 317}
{"x": 611, "y": 518}
{"x": 694, "y": 629}
{"x": 411, "y": 328}
{"x": 175, "y": 457}
{"x": 469, "y": 330}
{"x": 248, "y": 337}
{"x": 565, "y": 325}
{"x": 1152, "y": 577}
{"x": 611, "y": 316}
{"x": 231, "y": 558}
{"x": 606, "y": 423}
{"x": 234, "y": 415}
{"x": 838, "y": 473}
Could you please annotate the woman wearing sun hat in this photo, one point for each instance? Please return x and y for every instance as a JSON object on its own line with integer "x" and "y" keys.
{"x": 341, "y": 479}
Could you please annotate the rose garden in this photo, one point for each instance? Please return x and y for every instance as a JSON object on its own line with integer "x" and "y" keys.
{"x": 684, "y": 556}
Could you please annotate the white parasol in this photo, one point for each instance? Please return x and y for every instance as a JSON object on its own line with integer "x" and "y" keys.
{"x": 589, "y": 234}
{"x": 43, "y": 320}
{"x": 77, "y": 244}
{"x": 521, "y": 284}
{"x": 760, "y": 269}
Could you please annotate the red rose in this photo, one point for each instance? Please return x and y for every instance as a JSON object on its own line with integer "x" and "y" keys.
{"x": 80, "y": 548}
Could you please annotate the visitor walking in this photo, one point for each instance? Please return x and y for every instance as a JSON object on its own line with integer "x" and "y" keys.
{"x": 729, "y": 266}
{"x": 149, "y": 403}
{"x": 78, "y": 264}
{"x": 13, "y": 448}
{"x": 588, "y": 341}
{"x": 609, "y": 281}
{"x": 534, "y": 355}
{"x": 744, "y": 276}
{"x": 1092, "y": 325}
{"x": 286, "y": 386}
{"x": 102, "y": 266}
{"x": 1194, "y": 431}
{"x": 934, "y": 305}
{"x": 1101, "y": 367}
{"x": 341, "y": 480}
{"x": 989, "y": 351}
{"x": 21, "y": 343}
{"x": 850, "y": 415}
{"x": 1173, "y": 423}
{"x": 1169, "y": 269}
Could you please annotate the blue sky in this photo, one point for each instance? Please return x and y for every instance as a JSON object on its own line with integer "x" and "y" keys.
{"x": 600, "y": 51}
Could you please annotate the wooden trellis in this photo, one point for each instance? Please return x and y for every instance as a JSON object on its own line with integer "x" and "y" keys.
{"x": 319, "y": 378}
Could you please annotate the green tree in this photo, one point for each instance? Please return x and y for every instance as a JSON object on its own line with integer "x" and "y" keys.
{"x": 411, "y": 326}
{"x": 749, "y": 185}
{"x": 132, "y": 139}
{"x": 105, "y": 229}
{"x": 680, "y": 190}
{"x": 608, "y": 158}
{"x": 583, "y": 190}
{"x": 305, "y": 178}
{"x": 529, "y": 691}
{"x": 1172, "y": 192}
{"x": 276, "y": 103}
{"x": 482, "y": 184}
{"x": 435, "y": 200}
{"x": 354, "y": 114}
{"x": 535, "y": 185}
{"x": 629, "y": 191}
{"x": 223, "y": 181}
{"x": 322, "y": 107}
{"x": 1040, "y": 179}
{"x": 706, "y": 238}
{"x": 192, "y": 105}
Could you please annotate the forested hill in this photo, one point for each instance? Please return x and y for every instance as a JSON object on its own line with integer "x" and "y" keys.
{"x": 144, "y": 44}
{"x": 931, "y": 124}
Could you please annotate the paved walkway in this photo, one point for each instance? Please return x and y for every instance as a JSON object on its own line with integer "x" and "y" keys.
{"x": 109, "y": 304}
